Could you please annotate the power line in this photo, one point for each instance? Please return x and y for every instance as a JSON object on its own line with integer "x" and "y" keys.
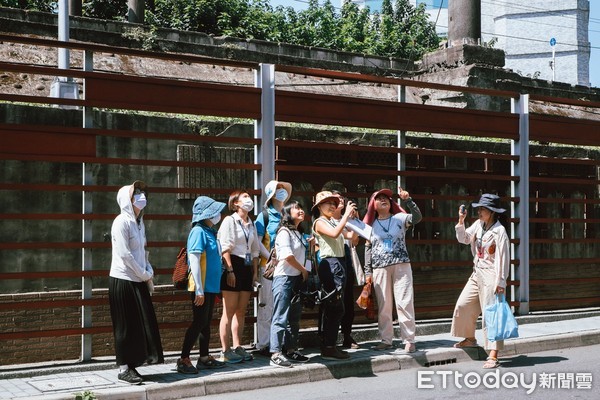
{"x": 543, "y": 23}
{"x": 530, "y": 39}
{"x": 530, "y": 8}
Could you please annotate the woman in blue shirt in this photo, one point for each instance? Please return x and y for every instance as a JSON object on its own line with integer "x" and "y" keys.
{"x": 204, "y": 259}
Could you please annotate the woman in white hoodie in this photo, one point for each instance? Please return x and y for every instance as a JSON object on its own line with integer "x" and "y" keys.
{"x": 137, "y": 339}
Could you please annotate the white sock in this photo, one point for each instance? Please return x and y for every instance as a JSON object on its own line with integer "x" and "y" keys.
{"x": 123, "y": 368}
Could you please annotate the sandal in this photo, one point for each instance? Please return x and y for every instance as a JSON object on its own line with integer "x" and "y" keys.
{"x": 491, "y": 363}
{"x": 465, "y": 343}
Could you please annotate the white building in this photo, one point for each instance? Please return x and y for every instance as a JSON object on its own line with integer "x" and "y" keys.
{"x": 524, "y": 29}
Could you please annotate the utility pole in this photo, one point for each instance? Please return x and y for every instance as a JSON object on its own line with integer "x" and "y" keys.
{"x": 75, "y": 7}
{"x": 64, "y": 87}
{"x": 135, "y": 11}
{"x": 553, "y": 61}
{"x": 464, "y": 22}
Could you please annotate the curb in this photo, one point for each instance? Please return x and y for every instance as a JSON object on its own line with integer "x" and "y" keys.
{"x": 361, "y": 365}
{"x": 308, "y": 339}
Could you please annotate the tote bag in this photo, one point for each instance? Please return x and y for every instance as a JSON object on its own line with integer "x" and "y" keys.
{"x": 358, "y": 269}
{"x": 500, "y": 321}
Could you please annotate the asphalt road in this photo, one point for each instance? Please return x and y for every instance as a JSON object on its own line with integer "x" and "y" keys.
{"x": 553, "y": 375}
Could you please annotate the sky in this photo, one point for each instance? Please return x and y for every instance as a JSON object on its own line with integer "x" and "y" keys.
{"x": 594, "y": 33}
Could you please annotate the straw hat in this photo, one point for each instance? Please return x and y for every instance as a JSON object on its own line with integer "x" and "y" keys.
{"x": 324, "y": 196}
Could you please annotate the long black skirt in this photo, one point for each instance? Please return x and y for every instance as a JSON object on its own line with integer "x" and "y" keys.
{"x": 137, "y": 339}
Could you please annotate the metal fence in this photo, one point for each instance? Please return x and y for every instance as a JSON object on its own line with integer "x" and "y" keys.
{"x": 554, "y": 201}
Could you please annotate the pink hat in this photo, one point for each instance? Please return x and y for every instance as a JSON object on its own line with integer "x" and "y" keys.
{"x": 394, "y": 207}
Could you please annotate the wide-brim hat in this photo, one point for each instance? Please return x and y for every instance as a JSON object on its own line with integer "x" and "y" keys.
{"x": 491, "y": 202}
{"x": 206, "y": 208}
{"x": 395, "y": 208}
{"x": 324, "y": 196}
{"x": 138, "y": 185}
{"x": 271, "y": 188}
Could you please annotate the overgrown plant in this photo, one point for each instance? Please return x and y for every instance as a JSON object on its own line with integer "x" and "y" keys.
{"x": 87, "y": 395}
{"x": 399, "y": 30}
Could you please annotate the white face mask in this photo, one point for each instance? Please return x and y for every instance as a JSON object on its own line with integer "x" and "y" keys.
{"x": 281, "y": 194}
{"x": 139, "y": 201}
{"x": 215, "y": 220}
{"x": 247, "y": 204}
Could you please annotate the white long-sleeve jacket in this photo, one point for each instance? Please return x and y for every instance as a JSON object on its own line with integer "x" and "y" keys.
{"x": 490, "y": 249}
{"x": 129, "y": 255}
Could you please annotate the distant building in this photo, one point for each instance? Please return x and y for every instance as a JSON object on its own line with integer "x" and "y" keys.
{"x": 523, "y": 29}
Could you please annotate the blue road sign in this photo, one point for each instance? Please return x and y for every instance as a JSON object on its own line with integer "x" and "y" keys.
{"x": 552, "y": 42}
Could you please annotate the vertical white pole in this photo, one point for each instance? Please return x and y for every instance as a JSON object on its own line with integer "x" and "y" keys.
{"x": 520, "y": 189}
{"x": 401, "y": 180}
{"x": 63, "y": 86}
{"x": 264, "y": 129}
{"x": 553, "y": 64}
{"x": 63, "y": 33}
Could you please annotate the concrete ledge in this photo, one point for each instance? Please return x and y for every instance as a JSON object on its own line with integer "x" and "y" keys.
{"x": 257, "y": 379}
{"x": 363, "y": 363}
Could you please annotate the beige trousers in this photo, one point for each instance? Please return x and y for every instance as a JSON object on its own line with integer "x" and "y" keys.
{"x": 264, "y": 312}
{"x": 475, "y": 296}
{"x": 393, "y": 286}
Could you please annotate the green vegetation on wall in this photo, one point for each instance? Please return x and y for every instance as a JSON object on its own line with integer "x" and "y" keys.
{"x": 400, "y": 30}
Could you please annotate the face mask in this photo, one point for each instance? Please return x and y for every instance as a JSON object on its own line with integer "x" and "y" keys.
{"x": 215, "y": 220}
{"x": 139, "y": 201}
{"x": 281, "y": 194}
{"x": 247, "y": 204}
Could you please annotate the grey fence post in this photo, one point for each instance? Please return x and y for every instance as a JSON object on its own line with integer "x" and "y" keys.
{"x": 401, "y": 141}
{"x": 264, "y": 153}
{"x": 264, "y": 129}
{"x": 520, "y": 189}
{"x": 86, "y": 229}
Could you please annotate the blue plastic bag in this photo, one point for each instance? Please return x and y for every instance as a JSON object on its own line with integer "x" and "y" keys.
{"x": 500, "y": 321}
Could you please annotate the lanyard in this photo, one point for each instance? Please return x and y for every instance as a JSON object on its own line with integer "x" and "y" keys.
{"x": 246, "y": 234}
{"x": 386, "y": 230}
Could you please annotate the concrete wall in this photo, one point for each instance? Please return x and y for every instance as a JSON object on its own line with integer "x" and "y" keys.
{"x": 524, "y": 31}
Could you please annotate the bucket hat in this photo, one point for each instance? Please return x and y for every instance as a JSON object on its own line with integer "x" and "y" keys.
{"x": 395, "y": 208}
{"x": 324, "y": 196}
{"x": 271, "y": 188}
{"x": 491, "y": 202}
{"x": 206, "y": 208}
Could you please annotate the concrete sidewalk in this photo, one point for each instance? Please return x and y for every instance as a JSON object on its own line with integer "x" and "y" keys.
{"x": 434, "y": 347}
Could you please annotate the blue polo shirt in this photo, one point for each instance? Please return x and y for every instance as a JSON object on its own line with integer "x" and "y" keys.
{"x": 269, "y": 233}
{"x": 203, "y": 239}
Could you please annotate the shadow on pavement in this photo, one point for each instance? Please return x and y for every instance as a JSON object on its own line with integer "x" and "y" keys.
{"x": 529, "y": 361}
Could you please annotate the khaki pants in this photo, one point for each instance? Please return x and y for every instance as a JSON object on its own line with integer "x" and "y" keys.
{"x": 264, "y": 312}
{"x": 476, "y": 295}
{"x": 393, "y": 286}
